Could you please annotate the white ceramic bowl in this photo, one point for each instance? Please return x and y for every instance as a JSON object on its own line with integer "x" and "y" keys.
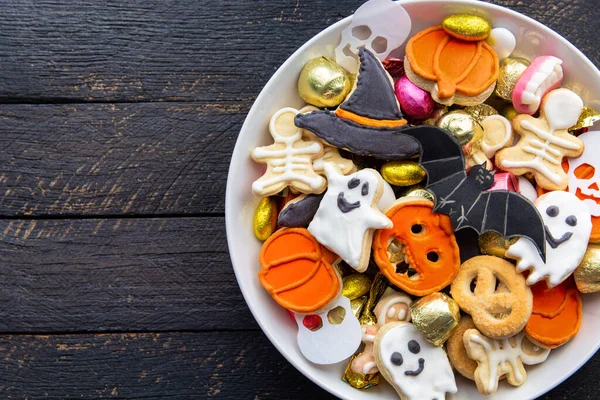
{"x": 533, "y": 40}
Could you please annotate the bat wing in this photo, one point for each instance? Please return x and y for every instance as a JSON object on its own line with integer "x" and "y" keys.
{"x": 509, "y": 214}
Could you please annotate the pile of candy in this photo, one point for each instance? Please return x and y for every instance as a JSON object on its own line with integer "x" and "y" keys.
{"x": 406, "y": 227}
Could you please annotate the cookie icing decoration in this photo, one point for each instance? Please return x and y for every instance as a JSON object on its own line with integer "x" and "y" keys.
{"x": 454, "y": 71}
{"x": 556, "y": 315}
{"x": 497, "y": 133}
{"x": 378, "y": 25}
{"x": 419, "y": 254}
{"x": 289, "y": 159}
{"x": 502, "y": 41}
{"x": 297, "y": 272}
{"x": 545, "y": 141}
{"x": 496, "y": 358}
{"x": 348, "y": 215}
{"x": 369, "y": 122}
{"x": 568, "y": 226}
{"x": 543, "y": 75}
{"x": 584, "y": 174}
{"x": 334, "y": 338}
{"x": 414, "y": 367}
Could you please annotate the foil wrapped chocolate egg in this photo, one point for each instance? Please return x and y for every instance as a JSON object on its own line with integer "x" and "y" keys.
{"x": 356, "y": 285}
{"x": 402, "y": 173}
{"x": 511, "y": 70}
{"x": 435, "y": 316}
{"x": 265, "y": 218}
{"x": 587, "y": 274}
{"x": 467, "y": 27}
{"x": 438, "y": 112}
{"x": 413, "y": 100}
{"x": 480, "y": 111}
{"x": 461, "y": 125}
{"x": 323, "y": 83}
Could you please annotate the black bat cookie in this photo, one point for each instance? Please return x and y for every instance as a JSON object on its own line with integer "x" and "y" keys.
{"x": 463, "y": 197}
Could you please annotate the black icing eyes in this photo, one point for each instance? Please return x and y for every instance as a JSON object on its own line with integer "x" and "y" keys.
{"x": 571, "y": 220}
{"x": 365, "y": 189}
{"x": 414, "y": 347}
{"x": 552, "y": 211}
{"x": 354, "y": 182}
{"x": 396, "y": 358}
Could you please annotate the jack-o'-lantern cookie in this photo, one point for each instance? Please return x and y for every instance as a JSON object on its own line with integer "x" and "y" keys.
{"x": 419, "y": 254}
{"x": 297, "y": 271}
{"x": 556, "y": 315}
{"x": 500, "y": 303}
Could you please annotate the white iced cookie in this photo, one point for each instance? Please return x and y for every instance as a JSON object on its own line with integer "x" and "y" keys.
{"x": 568, "y": 226}
{"x": 348, "y": 215}
{"x": 587, "y": 188}
{"x": 414, "y": 367}
{"x": 387, "y": 197}
{"x": 379, "y": 25}
{"x": 502, "y": 41}
{"x": 331, "y": 336}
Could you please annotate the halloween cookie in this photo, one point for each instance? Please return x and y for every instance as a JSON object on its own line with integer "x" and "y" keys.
{"x": 419, "y": 254}
{"x": 289, "y": 159}
{"x": 348, "y": 215}
{"x": 455, "y": 71}
{"x": 298, "y": 212}
{"x": 568, "y": 225}
{"x": 455, "y": 348}
{"x": 297, "y": 272}
{"x": 414, "y": 367}
{"x": 498, "y": 310}
{"x": 544, "y": 141}
{"x": 556, "y": 315}
{"x": 543, "y": 75}
{"x": 496, "y": 358}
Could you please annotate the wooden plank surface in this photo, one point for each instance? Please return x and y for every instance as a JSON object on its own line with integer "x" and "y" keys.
{"x": 93, "y": 275}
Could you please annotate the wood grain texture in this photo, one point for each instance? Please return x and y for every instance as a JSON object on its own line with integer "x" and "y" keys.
{"x": 115, "y": 159}
{"x": 217, "y": 52}
{"x": 118, "y": 275}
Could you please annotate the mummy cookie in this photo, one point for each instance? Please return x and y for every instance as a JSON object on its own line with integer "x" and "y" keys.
{"x": 414, "y": 367}
{"x": 545, "y": 141}
{"x": 348, "y": 215}
{"x": 543, "y": 75}
{"x": 568, "y": 226}
{"x": 331, "y": 336}
{"x": 289, "y": 160}
{"x": 496, "y": 358}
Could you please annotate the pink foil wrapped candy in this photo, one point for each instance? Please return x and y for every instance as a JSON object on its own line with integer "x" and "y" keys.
{"x": 414, "y": 101}
{"x": 505, "y": 181}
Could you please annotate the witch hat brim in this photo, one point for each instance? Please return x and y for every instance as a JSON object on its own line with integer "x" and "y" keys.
{"x": 369, "y": 122}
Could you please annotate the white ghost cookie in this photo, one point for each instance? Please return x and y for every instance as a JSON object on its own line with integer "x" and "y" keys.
{"x": 348, "y": 215}
{"x": 568, "y": 226}
{"x": 414, "y": 367}
{"x": 331, "y": 336}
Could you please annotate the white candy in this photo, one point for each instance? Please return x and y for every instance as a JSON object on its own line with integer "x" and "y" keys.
{"x": 502, "y": 41}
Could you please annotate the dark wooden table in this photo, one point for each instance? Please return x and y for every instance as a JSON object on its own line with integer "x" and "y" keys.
{"x": 117, "y": 124}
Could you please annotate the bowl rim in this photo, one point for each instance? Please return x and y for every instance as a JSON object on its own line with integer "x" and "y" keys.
{"x": 239, "y": 152}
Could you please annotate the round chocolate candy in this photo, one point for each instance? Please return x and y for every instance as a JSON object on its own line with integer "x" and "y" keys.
{"x": 413, "y": 100}
{"x": 461, "y": 125}
{"x": 467, "y": 27}
{"x": 435, "y": 316}
{"x": 587, "y": 274}
{"x": 511, "y": 70}
{"x": 402, "y": 173}
{"x": 356, "y": 285}
{"x": 265, "y": 218}
{"x": 323, "y": 83}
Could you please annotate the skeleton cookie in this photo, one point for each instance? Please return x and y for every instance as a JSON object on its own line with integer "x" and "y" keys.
{"x": 289, "y": 160}
{"x": 414, "y": 367}
{"x": 496, "y": 358}
{"x": 348, "y": 215}
{"x": 568, "y": 225}
{"x": 545, "y": 141}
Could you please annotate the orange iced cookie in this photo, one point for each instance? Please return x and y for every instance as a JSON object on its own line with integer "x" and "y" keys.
{"x": 297, "y": 272}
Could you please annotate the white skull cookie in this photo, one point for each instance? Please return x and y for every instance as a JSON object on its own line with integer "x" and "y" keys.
{"x": 414, "y": 367}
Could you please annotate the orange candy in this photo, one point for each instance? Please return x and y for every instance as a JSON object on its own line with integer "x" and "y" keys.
{"x": 556, "y": 315}
{"x": 429, "y": 245}
{"x": 296, "y": 271}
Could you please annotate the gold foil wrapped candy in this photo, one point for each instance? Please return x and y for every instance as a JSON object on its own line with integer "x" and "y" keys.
{"x": 420, "y": 192}
{"x": 356, "y": 285}
{"x": 461, "y": 125}
{"x": 511, "y": 70}
{"x": 586, "y": 119}
{"x": 435, "y": 316}
{"x": 402, "y": 173}
{"x": 467, "y": 27}
{"x": 323, "y": 83}
{"x": 587, "y": 274}
{"x": 265, "y": 218}
{"x": 494, "y": 244}
{"x": 480, "y": 111}
{"x": 357, "y": 305}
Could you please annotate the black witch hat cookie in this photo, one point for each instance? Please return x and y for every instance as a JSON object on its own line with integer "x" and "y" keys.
{"x": 369, "y": 122}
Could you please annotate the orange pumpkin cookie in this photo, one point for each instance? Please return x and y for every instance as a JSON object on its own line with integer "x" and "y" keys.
{"x": 419, "y": 254}
{"x": 453, "y": 70}
{"x": 297, "y": 272}
{"x": 556, "y": 315}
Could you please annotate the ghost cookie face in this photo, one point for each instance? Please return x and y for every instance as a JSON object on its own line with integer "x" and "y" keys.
{"x": 348, "y": 215}
{"x": 568, "y": 225}
{"x": 414, "y": 367}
